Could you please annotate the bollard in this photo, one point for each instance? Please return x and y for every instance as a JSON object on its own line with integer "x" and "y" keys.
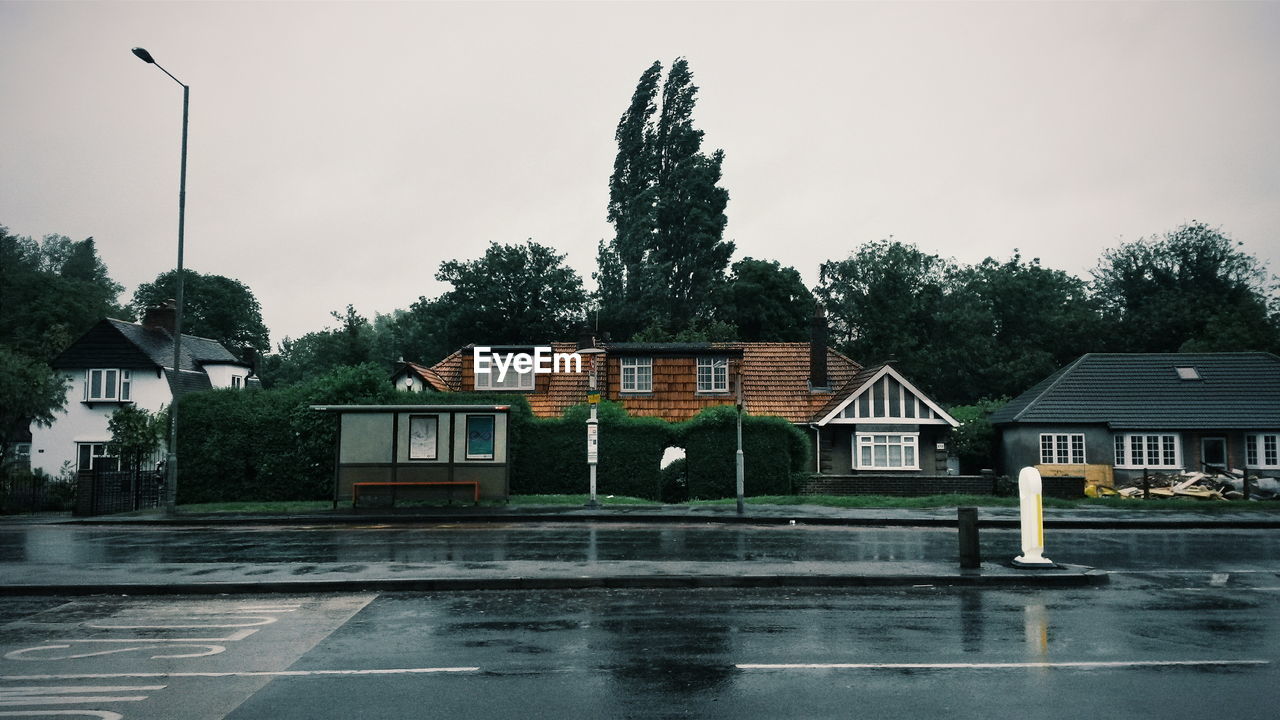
{"x": 1146, "y": 485}
{"x": 1032, "y": 516}
{"x": 967, "y": 521}
{"x": 1248, "y": 491}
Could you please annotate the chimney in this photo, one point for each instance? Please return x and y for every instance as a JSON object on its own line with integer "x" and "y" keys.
{"x": 818, "y": 349}
{"x": 164, "y": 317}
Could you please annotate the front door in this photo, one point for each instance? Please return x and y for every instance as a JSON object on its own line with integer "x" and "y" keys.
{"x": 1213, "y": 454}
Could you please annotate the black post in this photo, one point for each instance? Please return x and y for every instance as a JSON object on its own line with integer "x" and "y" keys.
{"x": 1146, "y": 485}
{"x": 1247, "y": 489}
{"x": 967, "y": 520}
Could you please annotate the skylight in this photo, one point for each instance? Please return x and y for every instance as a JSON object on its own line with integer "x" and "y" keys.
{"x": 1188, "y": 373}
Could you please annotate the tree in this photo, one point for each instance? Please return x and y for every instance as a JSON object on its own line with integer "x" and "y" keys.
{"x": 51, "y": 291}
{"x": 317, "y": 353}
{"x": 666, "y": 261}
{"x": 513, "y": 294}
{"x": 885, "y": 303}
{"x": 29, "y": 392}
{"x": 767, "y": 302}
{"x": 136, "y": 434}
{"x": 1193, "y": 288}
{"x": 214, "y": 307}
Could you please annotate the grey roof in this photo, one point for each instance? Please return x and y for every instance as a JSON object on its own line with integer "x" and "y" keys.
{"x": 1144, "y": 391}
{"x": 116, "y": 343}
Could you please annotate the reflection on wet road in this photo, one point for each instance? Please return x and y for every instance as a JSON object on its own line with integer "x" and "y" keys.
{"x": 1111, "y": 549}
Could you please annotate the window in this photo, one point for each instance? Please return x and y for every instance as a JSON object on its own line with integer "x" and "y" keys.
{"x": 713, "y": 375}
{"x": 1062, "y": 449}
{"x": 1261, "y": 451}
{"x": 422, "y": 437}
{"x": 511, "y": 381}
{"x": 96, "y": 456}
{"x": 1146, "y": 450}
{"x": 637, "y": 374}
{"x": 109, "y": 385}
{"x": 887, "y": 452}
{"x": 235, "y": 382}
{"x": 1187, "y": 373}
{"x": 480, "y": 437}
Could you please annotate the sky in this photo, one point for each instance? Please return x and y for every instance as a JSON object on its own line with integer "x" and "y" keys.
{"x": 339, "y": 152}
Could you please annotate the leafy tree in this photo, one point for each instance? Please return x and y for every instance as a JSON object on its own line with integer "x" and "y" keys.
{"x": 885, "y": 303}
{"x": 767, "y": 302}
{"x": 51, "y": 291}
{"x": 667, "y": 261}
{"x": 975, "y": 441}
{"x": 136, "y": 434}
{"x": 29, "y": 392}
{"x": 317, "y": 353}
{"x": 1193, "y": 288}
{"x": 513, "y": 294}
{"x": 215, "y": 307}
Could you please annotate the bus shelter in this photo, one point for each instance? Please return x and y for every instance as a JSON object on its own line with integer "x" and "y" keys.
{"x": 391, "y": 452}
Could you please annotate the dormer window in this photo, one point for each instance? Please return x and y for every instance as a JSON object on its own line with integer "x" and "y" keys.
{"x": 713, "y": 375}
{"x": 1187, "y": 373}
{"x": 108, "y": 385}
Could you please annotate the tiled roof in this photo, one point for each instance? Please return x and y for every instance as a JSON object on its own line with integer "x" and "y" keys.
{"x": 776, "y": 380}
{"x": 432, "y": 378}
{"x": 116, "y": 343}
{"x": 1144, "y": 391}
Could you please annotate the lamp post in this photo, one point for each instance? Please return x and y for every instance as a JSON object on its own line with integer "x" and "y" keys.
{"x": 739, "y": 463}
{"x": 171, "y": 462}
{"x": 593, "y": 422}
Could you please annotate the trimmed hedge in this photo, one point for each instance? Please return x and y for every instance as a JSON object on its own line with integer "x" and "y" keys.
{"x": 261, "y": 445}
{"x": 774, "y": 451}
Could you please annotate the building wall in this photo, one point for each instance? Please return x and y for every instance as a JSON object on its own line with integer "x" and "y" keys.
{"x": 220, "y": 374}
{"x": 836, "y": 445}
{"x": 80, "y": 421}
{"x": 675, "y": 395}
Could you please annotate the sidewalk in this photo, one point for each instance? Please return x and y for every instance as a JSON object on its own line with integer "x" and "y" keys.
{"x": 138, "y": 577}
{"x": 1087, "y": 518}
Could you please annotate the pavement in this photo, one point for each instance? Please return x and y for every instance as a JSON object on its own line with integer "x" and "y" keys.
{"x": 25, "y": 578}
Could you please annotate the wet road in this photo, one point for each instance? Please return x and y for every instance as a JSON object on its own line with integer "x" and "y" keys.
{"x": 574, "y": 542}
{"x": 1170, "y": 645}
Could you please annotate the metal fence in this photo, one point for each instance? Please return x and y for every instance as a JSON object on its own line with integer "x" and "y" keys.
{"x": 23, "y": 492}
{"x": 100, "y": 492}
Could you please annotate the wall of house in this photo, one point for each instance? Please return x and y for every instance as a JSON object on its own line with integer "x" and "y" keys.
{"x": 1020, "y": 445}
{"x": 835, "y": 448}
{"x": 52, "y": 447}
{"x": 675, "y": 395}
{"x": 220, "y": 374}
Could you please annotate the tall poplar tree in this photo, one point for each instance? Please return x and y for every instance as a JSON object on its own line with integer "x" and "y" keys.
{"x": 666, "y": 262}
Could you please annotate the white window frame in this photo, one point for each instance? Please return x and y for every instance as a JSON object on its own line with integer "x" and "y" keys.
{"x": 236, "y": 382}
{"x": 1262, "y": 450}
{"x": 636, "y": 374}
{"x": 716, "y": 370}
{"x": 487, "y": 381}
{"x": 1133, "y": 451}
{"x": 117, "y": 381}
{"x": 871, "y": 440}
{"x": 97, "y": 451}
{"x": 1062, "y": 448}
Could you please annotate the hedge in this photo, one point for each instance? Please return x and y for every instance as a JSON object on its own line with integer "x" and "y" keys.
{"x": 261, "y": 445}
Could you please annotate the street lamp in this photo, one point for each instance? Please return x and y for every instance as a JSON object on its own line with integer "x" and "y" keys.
{"x": 171, "y": 462}
{"x": 593, "y": 353}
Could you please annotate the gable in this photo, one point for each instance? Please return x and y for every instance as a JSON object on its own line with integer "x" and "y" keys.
{"x": 881, "y": 395}
{"x": 104, "y": 345}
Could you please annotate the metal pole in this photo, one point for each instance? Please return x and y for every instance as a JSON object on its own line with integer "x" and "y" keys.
{"x": 740, "y": 468}
{"x": 593, "y": 434}
{"x": 171, "y": 489}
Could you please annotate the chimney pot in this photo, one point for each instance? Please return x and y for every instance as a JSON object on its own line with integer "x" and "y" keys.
{"x": 164, "y": 317}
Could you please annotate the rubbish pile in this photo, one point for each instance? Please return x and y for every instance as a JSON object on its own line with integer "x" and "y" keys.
{"x": 1227, "y": 485}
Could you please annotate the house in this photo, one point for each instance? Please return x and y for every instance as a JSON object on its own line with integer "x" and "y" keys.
{"x": 1164, "y": 412}
{"x": 119, "y": 363}
{"x": 861, "y": 419}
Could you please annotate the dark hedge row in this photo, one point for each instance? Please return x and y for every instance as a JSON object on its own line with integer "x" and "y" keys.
{"x": 269, "y": 445}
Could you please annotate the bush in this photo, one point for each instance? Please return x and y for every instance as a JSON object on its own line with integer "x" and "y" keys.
{"x": 774, "y": 451}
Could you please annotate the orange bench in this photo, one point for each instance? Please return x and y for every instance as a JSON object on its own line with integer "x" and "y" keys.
{"x": 355, "y": 488}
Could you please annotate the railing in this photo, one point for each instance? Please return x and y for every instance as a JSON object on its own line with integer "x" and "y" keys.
{"x": 100, "y": 492}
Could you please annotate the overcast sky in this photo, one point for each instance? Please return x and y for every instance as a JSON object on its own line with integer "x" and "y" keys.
{"x": 339, "y": 152}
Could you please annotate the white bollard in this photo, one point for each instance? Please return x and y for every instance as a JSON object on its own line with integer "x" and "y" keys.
{"x": 1032, "y": 515}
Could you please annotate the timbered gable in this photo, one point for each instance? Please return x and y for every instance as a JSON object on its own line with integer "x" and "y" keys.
{"x": 880, "y": 395}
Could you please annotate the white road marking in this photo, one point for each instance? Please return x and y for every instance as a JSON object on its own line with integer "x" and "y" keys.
{"x": 99, "y": 714}
{"x": 233, "y": 673}
{"x": 1219, "y": 579}
{"x": 72, "y": 695}
{"x": 1008, "y": 665}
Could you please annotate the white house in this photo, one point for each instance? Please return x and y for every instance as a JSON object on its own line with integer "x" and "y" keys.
{"x": 120, "y": 363}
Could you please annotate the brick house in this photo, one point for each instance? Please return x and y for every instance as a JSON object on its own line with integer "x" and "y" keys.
{"x": 868, "y": 420}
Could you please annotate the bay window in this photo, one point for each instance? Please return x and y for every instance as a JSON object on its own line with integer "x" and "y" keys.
{"x": 1260, "y": 450}
{"x": 886, "y": 451}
